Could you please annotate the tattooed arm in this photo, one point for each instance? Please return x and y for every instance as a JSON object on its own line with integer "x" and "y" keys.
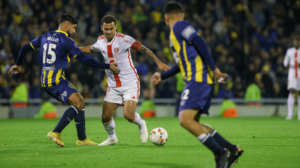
{"x": 149, "y": 53}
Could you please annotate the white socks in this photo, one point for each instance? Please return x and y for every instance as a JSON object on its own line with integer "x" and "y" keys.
{"x": 290, "y": 103}
{"x": 110, "y": 128}
{"x": 138, "y": 120}
{"x": 298, "y": 107}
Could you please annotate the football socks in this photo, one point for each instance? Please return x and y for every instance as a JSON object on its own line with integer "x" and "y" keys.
{"x": 110, "y": 128}
{"x": 80, "y": 125}
{"x": 66, "y": 118}
{"x": 222, "y": 141}
{"x": 138, "y": 120}
{"x": 290, "y": 103}
{"x": 211, "y": 144}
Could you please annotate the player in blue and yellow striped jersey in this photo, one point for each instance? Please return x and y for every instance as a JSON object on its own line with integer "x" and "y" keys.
{"x": 197, "y": 67}
{"x": 57, "y": 48}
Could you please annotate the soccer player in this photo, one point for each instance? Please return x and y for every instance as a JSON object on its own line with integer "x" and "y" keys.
{"x": 197, "y": 67}
{"x": 292, "y": 61}
{"x": 125, "y": 86}
{"x": 57, "y": 49}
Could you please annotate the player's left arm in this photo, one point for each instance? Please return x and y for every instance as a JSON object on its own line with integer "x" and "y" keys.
{"x": 149, "y": 53}
{"x": 32, "y": 45}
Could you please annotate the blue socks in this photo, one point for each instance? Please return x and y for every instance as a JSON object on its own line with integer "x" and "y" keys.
{"x": 80, "y": 125}
{"x": 211, "y": 144}
{"x": 222, "y": 141}
{"x": 67, "y": 117}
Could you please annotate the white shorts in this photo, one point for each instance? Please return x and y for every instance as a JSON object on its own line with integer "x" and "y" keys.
{"x": 119, "y": 94}
{"x": 294, "y": 83}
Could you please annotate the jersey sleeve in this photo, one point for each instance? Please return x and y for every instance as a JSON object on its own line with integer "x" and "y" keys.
{"x": 286, "y": 59}
{"x": 72, "y": 47}
{"x": 185, "y": 30}
{"x": 95, "y": 47}
{"x": 130, "y": 42}
{"x": 36, "y": 43}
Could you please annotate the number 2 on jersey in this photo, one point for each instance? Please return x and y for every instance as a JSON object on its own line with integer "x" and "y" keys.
{"x": 50, "y": 52}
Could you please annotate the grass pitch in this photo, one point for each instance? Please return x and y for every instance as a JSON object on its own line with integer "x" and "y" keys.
{"x": 267, "y": 142}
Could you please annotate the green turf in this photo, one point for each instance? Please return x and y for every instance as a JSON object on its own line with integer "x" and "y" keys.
{"x": 268, "y": 142}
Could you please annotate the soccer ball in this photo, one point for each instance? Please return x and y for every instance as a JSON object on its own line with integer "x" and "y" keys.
{"x": 159, "y": 136}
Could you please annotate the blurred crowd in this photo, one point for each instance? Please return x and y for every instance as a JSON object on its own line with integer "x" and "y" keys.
{"x": 247, "y": 40}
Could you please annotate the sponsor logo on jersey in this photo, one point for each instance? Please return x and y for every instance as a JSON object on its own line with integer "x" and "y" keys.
{"x": 126, "y": 41}
{"x": 48, "y": 68}
{"x": 103, "y": 51}
{"x": 114, "y": 58}
{"x": 52, "y": 39}
{"x": 75, "y": 45}
{"x": 116, "y": 50}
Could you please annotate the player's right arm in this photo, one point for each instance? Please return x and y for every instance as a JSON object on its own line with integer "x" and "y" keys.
{"x": 32, "y": 45}
{"x": 286, "y": 60}
{"x": 87, "y": 49}
{"x": 157, "y": 77}
{"x": 88, "y": 61}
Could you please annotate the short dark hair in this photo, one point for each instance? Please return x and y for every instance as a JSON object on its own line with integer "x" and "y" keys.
{"x": 173, "y": 7}
{"x": 68, "y": 18}
{"x": 108, "y": 19}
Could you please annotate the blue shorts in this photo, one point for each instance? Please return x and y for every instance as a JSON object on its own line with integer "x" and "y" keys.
{"x": 62, "y": 91}
{"x": 196, "y": 95}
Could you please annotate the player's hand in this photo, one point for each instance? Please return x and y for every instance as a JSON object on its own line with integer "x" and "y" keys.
{"x": 16, "y": 68}
{"x": 156, "y": 77}
{"x": 163, "y": 66}
{"x": 113, "y": 68}
{"x": 220, "y": 77}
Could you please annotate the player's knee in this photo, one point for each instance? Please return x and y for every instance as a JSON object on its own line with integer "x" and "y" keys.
{"x": 185, "y": 122}
{"x": 106, "y": 118}
{"x": 79, "y": 104}
{"x": 208, "y": 127}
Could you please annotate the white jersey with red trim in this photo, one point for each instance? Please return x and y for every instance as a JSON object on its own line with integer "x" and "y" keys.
{"x": 118, "y": 50}
{"x": 292, "y": 57}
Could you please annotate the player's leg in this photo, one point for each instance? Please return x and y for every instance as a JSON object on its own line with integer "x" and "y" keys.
{"x": 235, "y": 150}
{"x": 290, "y": 103}
{"x": 292, "y": 86}
{"x": 131, "y": 95}
{"x": 187, "y": 120}
{"x": 298, "y": 89}
{"x": 134, "y": 117}
{"x": 80, "y": 126}
{"x": 76, "y": 106}
{"x": 109, "y": 124}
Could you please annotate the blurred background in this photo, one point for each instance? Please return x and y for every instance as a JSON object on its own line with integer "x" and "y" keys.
{"x": 247, "y": 39}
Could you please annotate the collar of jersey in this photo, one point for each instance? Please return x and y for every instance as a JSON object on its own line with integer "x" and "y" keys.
{"x": 60, "y": 31}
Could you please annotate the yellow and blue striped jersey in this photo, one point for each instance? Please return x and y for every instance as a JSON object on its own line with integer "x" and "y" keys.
{"x": 56, "y": 48}
{"x": 190, "y": 62}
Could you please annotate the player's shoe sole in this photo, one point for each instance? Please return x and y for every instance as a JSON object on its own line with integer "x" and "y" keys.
{"x": 144, "y": 133}
{"x": 87, "y": 141}
{"x": 54, "y": 136}
{"x": 221, "y": 161}
{"x": 233, "y": 157}
{"x": 109, "y": 142}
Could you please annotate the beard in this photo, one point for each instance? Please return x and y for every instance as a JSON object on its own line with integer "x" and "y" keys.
{"x": 70, "y": 34}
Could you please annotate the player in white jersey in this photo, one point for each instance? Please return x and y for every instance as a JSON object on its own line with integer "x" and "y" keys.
{"x": 292, "y": 61}
{"x": 124, "y": 87}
